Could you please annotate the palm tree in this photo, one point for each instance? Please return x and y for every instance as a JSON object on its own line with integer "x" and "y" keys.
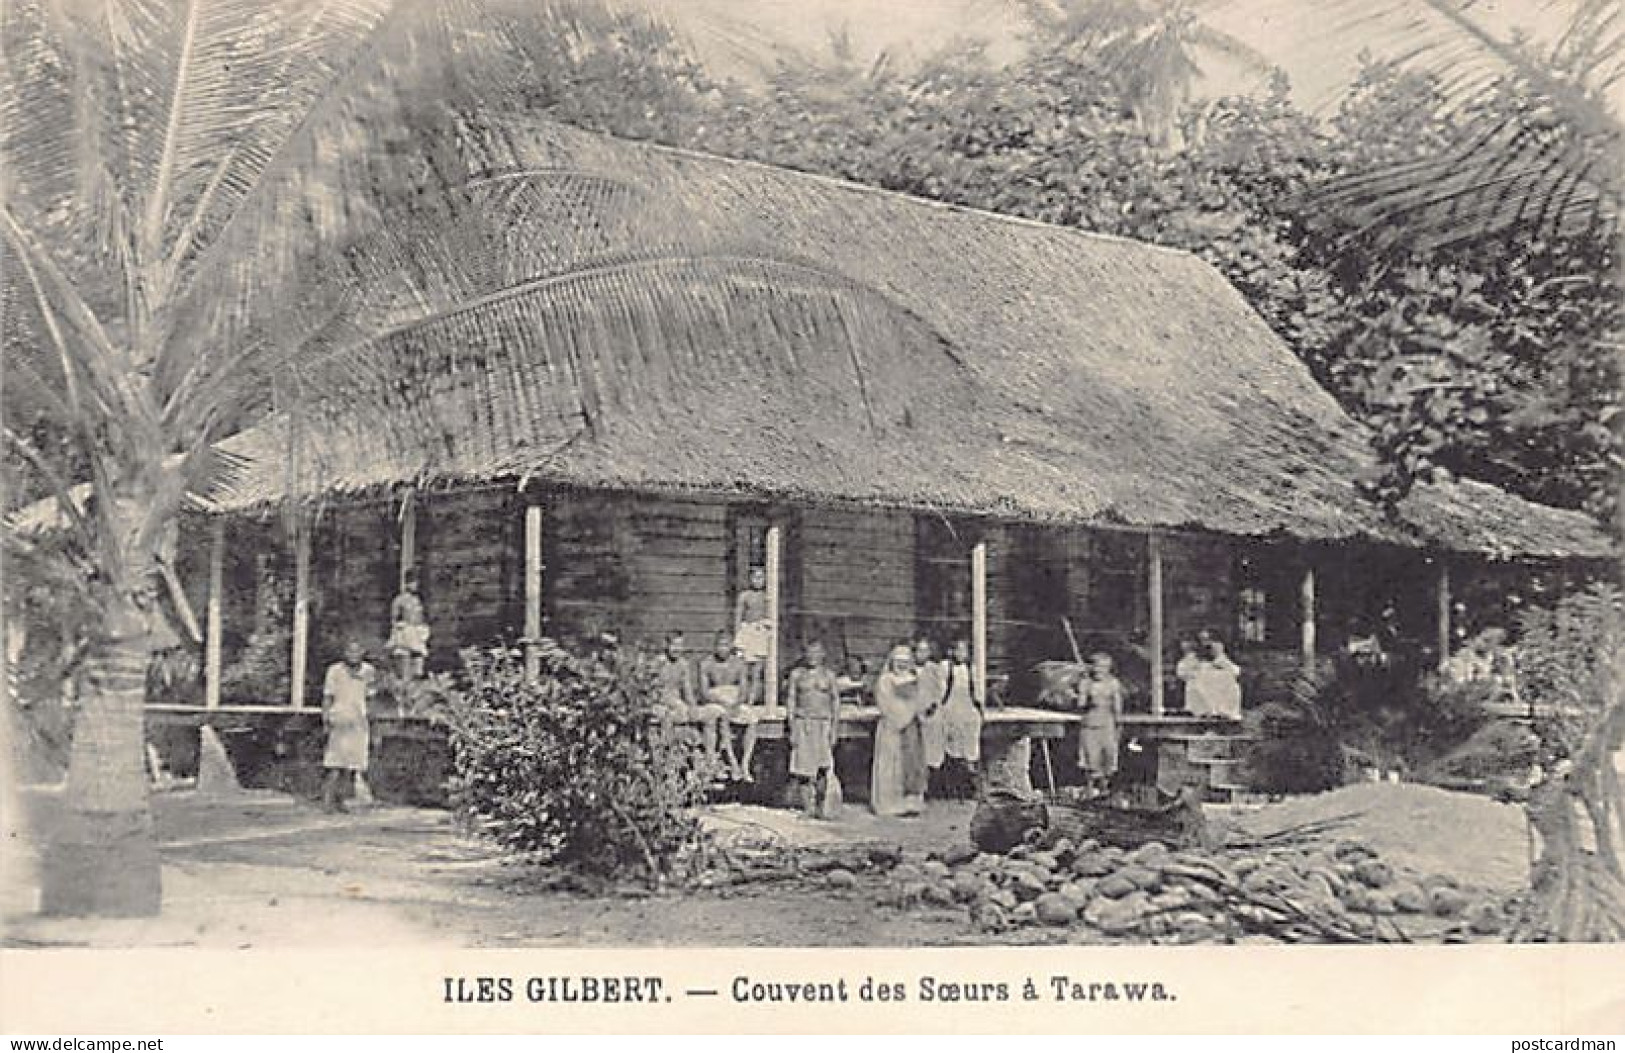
{"x": 144, "y": 147}
{"x": 1538, "y": 135}
{"x": 1149, "y": 50}
{"x": 212, "y": 200}
{"x": 1536, "y": 159}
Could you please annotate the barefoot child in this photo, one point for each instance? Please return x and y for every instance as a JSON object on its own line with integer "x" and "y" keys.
{"x": 1100, "y": 700}
{"x": 814, "y": 714}
{"x": 722, "y": 683}
{"x": 753, "y": 633}
{"x": 676, "y": 704}
{"x": 345, "y": 693}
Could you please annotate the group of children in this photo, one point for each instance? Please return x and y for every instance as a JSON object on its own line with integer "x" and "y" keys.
{"x": 934, "y": 710}
{"x": 716, "y": 695}
{"x": 929, "y": 712}
{"x": 1212, "y": 688}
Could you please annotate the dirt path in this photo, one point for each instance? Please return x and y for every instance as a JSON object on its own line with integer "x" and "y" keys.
{"x": 266, "y": 871}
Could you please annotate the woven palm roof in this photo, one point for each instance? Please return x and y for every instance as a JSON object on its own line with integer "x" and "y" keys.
{"x": 639, "y": 317}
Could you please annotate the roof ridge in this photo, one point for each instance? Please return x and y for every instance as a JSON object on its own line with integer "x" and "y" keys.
{"x": 852, "y": 185}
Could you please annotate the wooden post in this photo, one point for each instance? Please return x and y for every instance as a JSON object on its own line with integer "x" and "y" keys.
{"x": 409, "y": 536}
{"x": 301, "y": 613}
{"x": 533, "y": 587}
{"x": 212, "y": 616}
{"x": 1307, "y": 595}
{"x": 770, "y": 675}
{"x": 1444, "y": 609}
{"x": 1154, "y": 589}
{"x": 978, "y": 620}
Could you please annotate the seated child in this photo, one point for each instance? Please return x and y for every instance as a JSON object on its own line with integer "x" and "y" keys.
{"x": 408, "y": 641}
{"x": 675, "y": 702}
{"x": 722, "y": 683}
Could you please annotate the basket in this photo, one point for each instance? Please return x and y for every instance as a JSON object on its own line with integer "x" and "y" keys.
{"x": 1126, "y": 821}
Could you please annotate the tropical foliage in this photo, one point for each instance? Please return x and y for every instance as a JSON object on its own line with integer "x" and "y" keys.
{"x": 1472, "y": 351}
{"x": 160, "y": 169}
{"x": 570, "y": 766}
{"x": 203, "y": 201}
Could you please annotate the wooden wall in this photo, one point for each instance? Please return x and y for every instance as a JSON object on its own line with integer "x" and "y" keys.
{"x": 641, "y": 566}
{"x": 470, "y": 562}
{"x": 354, "y": 568}
{"x": 855, "y": 579}
{"x": 1198, "y": 587}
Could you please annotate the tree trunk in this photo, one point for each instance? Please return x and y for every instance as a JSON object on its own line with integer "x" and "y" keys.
{"x": 1576, "y": 892}
{"x": 100, "y": 856}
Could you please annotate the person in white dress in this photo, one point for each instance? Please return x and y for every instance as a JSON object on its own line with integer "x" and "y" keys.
{"x": 1215, "y": 686}
{"x": 345, "y": 692}
{"x": 897, "y": 779}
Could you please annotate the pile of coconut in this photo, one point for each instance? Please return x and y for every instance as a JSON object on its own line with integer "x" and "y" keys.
{"x": 1340, "y": 891}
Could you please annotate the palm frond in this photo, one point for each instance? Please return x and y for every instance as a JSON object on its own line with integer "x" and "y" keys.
{"x": 88, "y": 366}
{"x": 616, "y": 346}
{"x": 1534, "y": 133}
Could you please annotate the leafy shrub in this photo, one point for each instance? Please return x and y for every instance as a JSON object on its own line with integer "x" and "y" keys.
{"x": 1361, "y": 716}
{"x": 1301, "y": 742}
{"x": 1501, "y": 749}
{"x": 419, "y": 696}
{"x": 570, "y": 766}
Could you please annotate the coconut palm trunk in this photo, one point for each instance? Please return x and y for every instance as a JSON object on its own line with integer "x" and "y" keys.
{"x": 100, "y": 857}
{"x": 157, "y": 161}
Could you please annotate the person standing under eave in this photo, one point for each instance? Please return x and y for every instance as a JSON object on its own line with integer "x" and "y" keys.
{"x": 1100, "y": 701}
{"x": 898, "y": 776}
{"x": 344, "y": 716}
{"x": 753, "y": 634}
{"x": 813, "y": 708}
{"x": 962, "y": 714}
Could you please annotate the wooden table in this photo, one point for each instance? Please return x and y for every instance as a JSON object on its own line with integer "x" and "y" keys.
{"x": 858, "y": 722}
{"x": 1008, "y": 732}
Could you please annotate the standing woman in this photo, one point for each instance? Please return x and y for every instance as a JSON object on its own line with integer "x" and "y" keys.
{"x": 344, "y": 716}
{"x": 933, "y": 694}
{"x": 813, "y": 708}
{"x": 897, "y": 780}
{"x": 962, "y": 712}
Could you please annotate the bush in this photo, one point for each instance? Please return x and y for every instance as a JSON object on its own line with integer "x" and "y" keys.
{"x": 570, "y": 766}
{"x": 1500, "y": 750}
{"x": 420, "y": 696}
{"x": 1362, "y": 716}
{"x": 1300, "y": 744}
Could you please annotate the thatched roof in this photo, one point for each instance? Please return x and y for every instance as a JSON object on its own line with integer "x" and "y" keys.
{"x": 671, "y": 320}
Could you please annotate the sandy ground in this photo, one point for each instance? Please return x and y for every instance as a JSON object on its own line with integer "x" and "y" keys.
{"x": 264, "y": 870}
{"x": 267, "y": 871}
{"x": 1419, "y": 827}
